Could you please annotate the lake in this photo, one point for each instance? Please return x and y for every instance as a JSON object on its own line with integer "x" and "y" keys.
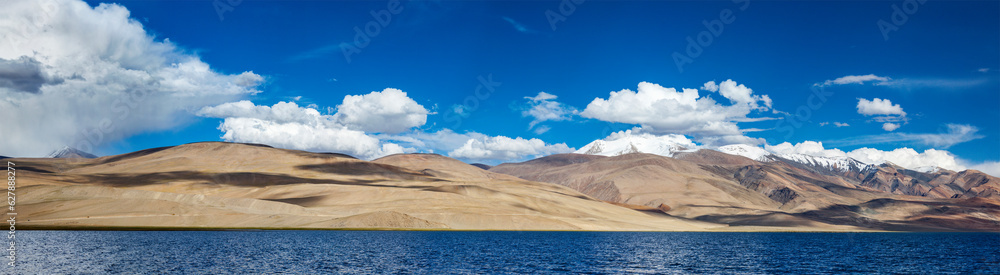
{"x": 310, "y": 252}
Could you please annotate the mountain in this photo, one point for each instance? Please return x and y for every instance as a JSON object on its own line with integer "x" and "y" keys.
{"x": 748, "y": 151}
{"x": 645, "y": 179}
{"x": 231, "y": 185}
{"x": 625, "y": 142}
{"x": 482, "y": 166}
{"x": 778, "y": 190}
{"x": 67, "y": 153}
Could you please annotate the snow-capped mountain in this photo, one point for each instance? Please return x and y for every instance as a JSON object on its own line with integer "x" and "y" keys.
{"x": 834, "y": 164}
{"x": 67, "y": 152}
{"x": 748, "y": 151}
{"x": 626, "y": 142}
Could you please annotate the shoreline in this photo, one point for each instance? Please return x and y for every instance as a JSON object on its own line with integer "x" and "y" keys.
{"x": 155, "y": 228}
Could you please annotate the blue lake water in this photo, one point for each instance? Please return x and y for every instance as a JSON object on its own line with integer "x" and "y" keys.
{"x": 311, "y": 252}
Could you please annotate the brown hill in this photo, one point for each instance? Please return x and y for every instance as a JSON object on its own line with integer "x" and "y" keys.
{"x": 228, "y": 185}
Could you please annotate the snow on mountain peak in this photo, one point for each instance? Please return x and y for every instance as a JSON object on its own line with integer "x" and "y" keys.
{"x": 842, "y": 164}
{"x": 626, "y": 142}
{"x": 69, "y": 152}
{"x": 748, "y": 151}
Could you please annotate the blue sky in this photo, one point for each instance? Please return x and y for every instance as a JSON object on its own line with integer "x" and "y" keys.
{"x": 940, "y": 66}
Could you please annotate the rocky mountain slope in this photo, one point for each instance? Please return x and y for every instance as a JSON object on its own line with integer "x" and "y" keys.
{"x": 727, "y": 188}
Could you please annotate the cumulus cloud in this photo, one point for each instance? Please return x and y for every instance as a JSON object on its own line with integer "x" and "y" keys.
{"x": 854, "y": 79}
{"x": 315, "y": 136}
{"x": 739, "y": 94}
{"x": 282, "y": 112}
{"x": 884, "y": 111}
{"x": 82, "y": 76}
{"x": 505, "y": 148}
{"x": 389, "y": 111}
{"x": 879, "y": 106}
{"x": 474, "y": 146}
{"x": 663, "y": 110}
{"x": 287, "y": 125}
{"x": 543, "y": 107}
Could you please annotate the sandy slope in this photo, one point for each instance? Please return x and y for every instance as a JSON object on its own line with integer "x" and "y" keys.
{"x": 246, "y": 186}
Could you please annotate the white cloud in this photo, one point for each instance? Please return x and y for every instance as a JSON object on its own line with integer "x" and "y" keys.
{"x": 542, "y": 107}
{"x": 841, "y": 124}
{"x": 884, "y": 111}
{"x": 989, "y": 167}
{"x": 854, "y": 79}
{"x": 541, "y": 129}
{"x": 879, "y": 106}
{"x": 505, "y": 148}
{"x": 952, "y": 134}
{"x": 473, "y": 146}
{"x": 716, "y": 141}
{"x": 287, "y": 125}
{"x": 316, "y": 136}
{"x": 740, "y": 94}
{"x": 812, "y": 148}
{"x": 281, "y": 112}
{"x": 909, "y": 83}
{"x": 710, "y": 86}
{"x": 83, "y": 77}
{"x": 665, "y": 110}
{"x": 389, "y": 111}
{"x": 938, "y": 83}
{"x": 983, "y": 70}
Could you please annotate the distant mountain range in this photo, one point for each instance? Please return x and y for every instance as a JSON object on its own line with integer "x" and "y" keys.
{"x": 618, "y": 185}
{"x": 745, "y": 185}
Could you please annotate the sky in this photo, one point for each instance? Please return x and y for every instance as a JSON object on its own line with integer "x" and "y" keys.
{"x": 501, "y": 81}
